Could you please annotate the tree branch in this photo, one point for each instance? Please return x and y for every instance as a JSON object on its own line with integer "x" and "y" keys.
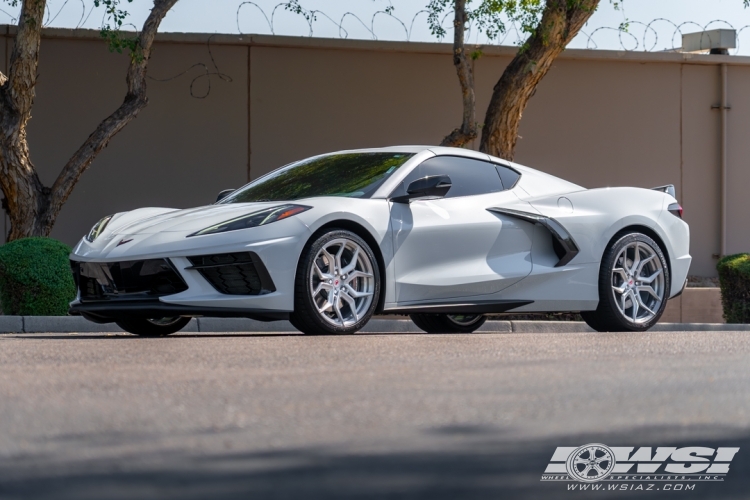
{"x": 135, "y": 100}
{"x": 560, "y": 23}
{"x": 468, "y": 129}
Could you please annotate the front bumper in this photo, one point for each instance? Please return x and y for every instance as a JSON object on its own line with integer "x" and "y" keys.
{"x": 108, "y": 291}
{"x": 111, "y": 311}
{"x": 215, "y": 277}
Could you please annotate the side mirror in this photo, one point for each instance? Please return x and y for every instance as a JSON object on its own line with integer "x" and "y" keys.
{"x": 435, "y": 186}
{"x": 224, "y": 194}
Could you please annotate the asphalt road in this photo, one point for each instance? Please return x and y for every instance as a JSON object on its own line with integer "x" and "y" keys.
{"x": 366, "y": 416}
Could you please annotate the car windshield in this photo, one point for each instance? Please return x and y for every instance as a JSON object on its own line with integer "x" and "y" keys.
{"x": 352, "y": 175}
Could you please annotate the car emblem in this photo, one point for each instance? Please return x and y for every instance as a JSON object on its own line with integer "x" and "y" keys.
{"x": 122, "y": 242}
{"x": 336, "y": 282}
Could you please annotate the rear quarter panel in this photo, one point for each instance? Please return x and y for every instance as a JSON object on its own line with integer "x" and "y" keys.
{"x": 598, "y": 214}
{"x": 594, "y": 216}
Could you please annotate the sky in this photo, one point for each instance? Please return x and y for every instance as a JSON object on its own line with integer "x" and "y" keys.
{"x": 365, "y": 19}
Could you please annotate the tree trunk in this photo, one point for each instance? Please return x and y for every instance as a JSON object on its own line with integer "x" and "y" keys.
{"x": 24, "y": 193}
{"x": 468, "y": 129}
{"x": 32, "y": 207}
{"x": 561, "y": 21}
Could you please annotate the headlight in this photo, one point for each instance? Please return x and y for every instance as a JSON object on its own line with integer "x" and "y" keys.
{"x": 98, "y": 228}
{"x": 260, "y": 218}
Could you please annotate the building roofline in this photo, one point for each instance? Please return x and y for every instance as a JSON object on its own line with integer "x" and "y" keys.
{"x": 303, "y": 42}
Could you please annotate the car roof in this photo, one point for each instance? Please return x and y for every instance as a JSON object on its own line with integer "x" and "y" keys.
{"x": 534, "y": 181}
{"x": 437, "y": 150}
{"x": 388, "y": 149}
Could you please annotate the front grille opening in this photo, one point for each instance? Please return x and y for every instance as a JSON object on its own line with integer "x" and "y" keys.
{"x": 239, "y": 273}
{"x": 129, "y": 279}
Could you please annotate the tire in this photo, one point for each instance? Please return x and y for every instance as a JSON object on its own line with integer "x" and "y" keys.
{"x": 335, "y": 293}
{"x": 293, "y": 321}
{"x": 448, "y": 323}
{"x": 156, "y": 327}
{"x": 632, "y": 294}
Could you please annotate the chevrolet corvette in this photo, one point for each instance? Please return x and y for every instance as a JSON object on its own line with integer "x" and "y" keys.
{"x": 447, "y": 236}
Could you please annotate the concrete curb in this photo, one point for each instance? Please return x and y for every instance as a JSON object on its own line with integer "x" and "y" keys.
{"x": 550, "y": 327}
{"x": 76, "y": 324}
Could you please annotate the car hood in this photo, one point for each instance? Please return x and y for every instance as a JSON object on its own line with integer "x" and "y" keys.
{"x": 159, "y": 220}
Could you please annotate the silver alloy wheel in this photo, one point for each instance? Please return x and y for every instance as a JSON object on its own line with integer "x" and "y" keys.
{"x": 342, "y": 282}
{"x": 638, "y": 282}
{"x": 464, "y": 319}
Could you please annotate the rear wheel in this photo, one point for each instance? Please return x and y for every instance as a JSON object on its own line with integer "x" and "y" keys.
{"x": 337, "y": 285}
{"x": 448, "y": 323}
{"x": 634, "y": 286}
{"x": 155, "y": 327}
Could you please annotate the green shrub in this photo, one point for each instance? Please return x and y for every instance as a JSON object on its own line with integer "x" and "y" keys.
{"x": 35, "y": 277}
{"x": 734, "y": 279}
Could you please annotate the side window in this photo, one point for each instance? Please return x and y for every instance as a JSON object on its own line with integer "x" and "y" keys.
{"x": 468, "y": 176}
{"x": 508, "y": 175}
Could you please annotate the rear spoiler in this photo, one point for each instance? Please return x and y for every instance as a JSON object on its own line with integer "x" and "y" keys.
{"x": 668, "y": 188}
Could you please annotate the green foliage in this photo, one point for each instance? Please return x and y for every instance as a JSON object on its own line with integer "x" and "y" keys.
{"x": 112, "y": 23}
{"x": 35, "y": 277}
{"x": 490, "y": 17}
{"x": 310, "y": 15}
{"x": 495, "y": 17}
{"x": 114, "y": 18}
{"x": 734, "y": 279}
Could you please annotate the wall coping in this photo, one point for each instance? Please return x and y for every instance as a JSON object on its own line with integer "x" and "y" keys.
{"x": 304, "y": 42}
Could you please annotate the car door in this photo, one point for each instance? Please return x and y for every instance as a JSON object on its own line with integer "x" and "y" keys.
{"x": 453, "y": 247}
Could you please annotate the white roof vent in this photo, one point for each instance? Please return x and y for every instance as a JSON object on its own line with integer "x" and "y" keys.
{"x": 712, "y": 41}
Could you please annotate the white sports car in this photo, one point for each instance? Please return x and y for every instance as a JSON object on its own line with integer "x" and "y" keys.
{"x": 447, "y": 236}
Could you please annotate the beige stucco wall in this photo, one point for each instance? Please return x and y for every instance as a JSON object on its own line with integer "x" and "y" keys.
{"x": 311, "y": 101}
{"x": 701, "y": 175}
{"x": 180, "y": 151}
{"x": 598, "y": 119}
{"x": 738, "y": 179}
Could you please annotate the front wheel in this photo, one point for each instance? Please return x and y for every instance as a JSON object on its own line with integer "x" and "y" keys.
{"x": 634, "y": 286}
{"x": 154, "y": 327}
{"x": 448, "y": 323}
{"x": 337, "y": 285}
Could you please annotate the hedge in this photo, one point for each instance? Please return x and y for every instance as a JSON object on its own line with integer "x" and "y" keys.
{"x": 35, "y": 278}
{"x": 734, "y": 279}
